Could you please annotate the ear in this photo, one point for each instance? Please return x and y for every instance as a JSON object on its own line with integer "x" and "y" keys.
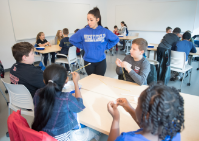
{"x": 24, "y": 58}
{"x": 98, "y": 19}
{"x": 142, "y": 52}
{"x": 66, "y": 80}
{"x": 44, "y": 81}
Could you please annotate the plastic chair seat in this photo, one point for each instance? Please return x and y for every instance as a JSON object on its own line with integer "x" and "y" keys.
{"x": 187, "y": 67}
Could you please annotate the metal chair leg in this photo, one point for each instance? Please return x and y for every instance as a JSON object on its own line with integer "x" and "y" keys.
{"x": 188, "y": 84}
{"x": 182, "y": 81}
{"x": 4, "y": 96}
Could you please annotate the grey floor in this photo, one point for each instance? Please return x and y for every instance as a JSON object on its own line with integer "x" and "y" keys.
{"x": 110, "y": 72}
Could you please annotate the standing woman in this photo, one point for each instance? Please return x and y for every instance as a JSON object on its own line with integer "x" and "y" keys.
{"x": 122, "y": 31}
{"x": 94, "y": 40}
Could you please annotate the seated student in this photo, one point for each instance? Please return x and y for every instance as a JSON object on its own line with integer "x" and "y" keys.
{"x": 159, "y": 114}
{"x": 185, "y": 45}
{"x": 65, "y": 45}
{"x": 58, "y": 37}
{"x": 42, "y": 42}
{"x": 54, "y": 108}
{"x": 23, "y": 71}
{"x": 171, "y": 39}
{"x": 168, "y": 30}
{"x": 136, "y": 65}
{"x": 191, "y": 39}
{"x": 115, "y": 31}
{"x": 77, "y": 50}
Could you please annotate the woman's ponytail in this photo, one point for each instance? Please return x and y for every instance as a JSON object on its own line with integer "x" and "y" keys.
{"x": 96, "y": 12}
{"x": 124, "y": 23}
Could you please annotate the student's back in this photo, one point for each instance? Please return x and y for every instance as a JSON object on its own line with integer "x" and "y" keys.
{"x": 170, "y": 39}
{"x": 24, "y": 72}
{"x": 185, "y": 45}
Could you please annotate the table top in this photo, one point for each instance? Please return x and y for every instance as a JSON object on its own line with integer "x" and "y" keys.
{"x": 156, "y": 45}
{"x": 128, "y": 37}
{"x": 97, "y": 91}
{"x": 48, "y": 49}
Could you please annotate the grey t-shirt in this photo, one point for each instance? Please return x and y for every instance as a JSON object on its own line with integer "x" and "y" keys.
{"x": 139, "y": 72}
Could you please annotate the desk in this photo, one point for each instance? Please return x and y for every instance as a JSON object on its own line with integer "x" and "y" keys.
{"x": 152, "y": 49}
{"x": 48, "y": 49}
{"x": 96, "y": 94}
{"x": 128, "y": 38}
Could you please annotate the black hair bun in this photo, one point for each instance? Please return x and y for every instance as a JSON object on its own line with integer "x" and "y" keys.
{"x": 96, "y": 8}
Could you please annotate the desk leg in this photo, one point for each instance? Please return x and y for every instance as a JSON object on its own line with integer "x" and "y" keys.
{"x": 155, "y": 52}
{"x": 148, "y": 53}
{"x": 127, "y": 48}
{"x": 49, "y": 58}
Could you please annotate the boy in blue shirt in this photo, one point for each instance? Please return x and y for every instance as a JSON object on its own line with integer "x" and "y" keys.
{"x": 65, "y": 45}
{"x": 185, "y": 45}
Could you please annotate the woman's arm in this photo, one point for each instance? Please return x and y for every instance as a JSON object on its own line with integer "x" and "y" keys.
{"x": 77, "y": 39}
{"x": 122, "y": 30}
{"x": 112, "y": 39}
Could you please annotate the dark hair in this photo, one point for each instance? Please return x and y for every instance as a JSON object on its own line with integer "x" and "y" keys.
{"x": 65, "y": 31}
{"x": 165, "y": 107}
{"x": 106, "y": 27}
{"x": 186, "y": 36}
{"x": 96, "y": 13}
{"x": 168, "y": 28}
{"x": 115, "y": 26}
{"x": 21, "y": 49}
{"x": 177, "y": 30}
{"x": 142, "y": 44}
{"x": 76, "y": 30}
{"x": 124, "y": 23}
{"x": 58, "y": 75}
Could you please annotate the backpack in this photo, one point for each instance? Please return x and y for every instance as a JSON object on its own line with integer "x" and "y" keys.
{"x": 127, "y": 32}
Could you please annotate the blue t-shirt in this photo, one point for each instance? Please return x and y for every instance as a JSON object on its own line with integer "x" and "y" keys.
{"x": 185, "y": 46}
{"x": 65, "y": 44}
{"x": 132, "y": 136}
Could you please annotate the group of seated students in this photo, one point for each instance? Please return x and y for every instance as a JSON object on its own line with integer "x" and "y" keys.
{"x": 177, "y": 42}
{"x": 61, "y": 39}
{"x": 159, "y": 113}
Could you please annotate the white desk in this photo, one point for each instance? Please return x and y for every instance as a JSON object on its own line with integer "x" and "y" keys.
{"x": 97, "y": 91}
{"x": 128, "y": 38}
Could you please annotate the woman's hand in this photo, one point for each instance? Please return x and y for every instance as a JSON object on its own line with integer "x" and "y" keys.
{"x": 112, "y": 109}
{"x": 76, "y": 77}
{"x": 124, "y": 103}
{"x": 118, "y": 62}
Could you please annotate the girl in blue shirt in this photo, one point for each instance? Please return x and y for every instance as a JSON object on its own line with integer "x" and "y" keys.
{"x": 94, "y": 40}
{"x": 159, "y": 114}
{"x": 54, "y": 109}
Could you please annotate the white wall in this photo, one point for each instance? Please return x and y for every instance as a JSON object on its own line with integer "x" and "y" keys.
{"x": 151, "y": 37}
{"x": 7, "y": 39}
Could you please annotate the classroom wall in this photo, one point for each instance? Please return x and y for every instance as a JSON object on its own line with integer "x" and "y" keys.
{"x": 7, "y": 39}
{"x": 150, "y": 36}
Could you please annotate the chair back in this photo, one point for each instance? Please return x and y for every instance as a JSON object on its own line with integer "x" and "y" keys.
{"x": 19, "y": 96}
{"x": 72, "y": 56}
{"x": 178, "y": 59}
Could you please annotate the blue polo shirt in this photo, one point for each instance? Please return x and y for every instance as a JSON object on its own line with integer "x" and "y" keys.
{"x": 65, "y": 44}
{"x": 185, "y": 46}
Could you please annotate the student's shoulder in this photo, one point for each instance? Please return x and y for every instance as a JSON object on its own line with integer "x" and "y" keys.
{"x": 145, "y": 62}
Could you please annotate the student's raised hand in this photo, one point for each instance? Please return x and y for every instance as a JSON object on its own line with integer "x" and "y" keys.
{"x": 126, "y": 65}
{"x": 112, "y": 109}
{"x": 124, "y": 103}
{"x": 118, "y": 62}
{"x": 75, "y": 76}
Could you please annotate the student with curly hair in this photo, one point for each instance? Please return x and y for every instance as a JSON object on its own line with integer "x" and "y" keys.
{"x": 159, "y": 114}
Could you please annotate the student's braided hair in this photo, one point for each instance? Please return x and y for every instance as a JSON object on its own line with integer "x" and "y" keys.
{"x": 162, "y": 111}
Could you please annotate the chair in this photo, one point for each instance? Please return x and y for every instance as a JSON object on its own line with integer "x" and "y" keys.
{"x": 19, "y": 130}
{"x": 71, "y": 57}
{"x": 80, "y": 64}
{"x": 178, "y": 60}
{"x": 20, "y": 98}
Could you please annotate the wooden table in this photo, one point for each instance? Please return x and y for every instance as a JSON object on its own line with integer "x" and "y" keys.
{"x": 128, "y": 38}
{"x": 97, "y": 91}
{"x": 152, "y": 49}
{"x": 48, "y": 49}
